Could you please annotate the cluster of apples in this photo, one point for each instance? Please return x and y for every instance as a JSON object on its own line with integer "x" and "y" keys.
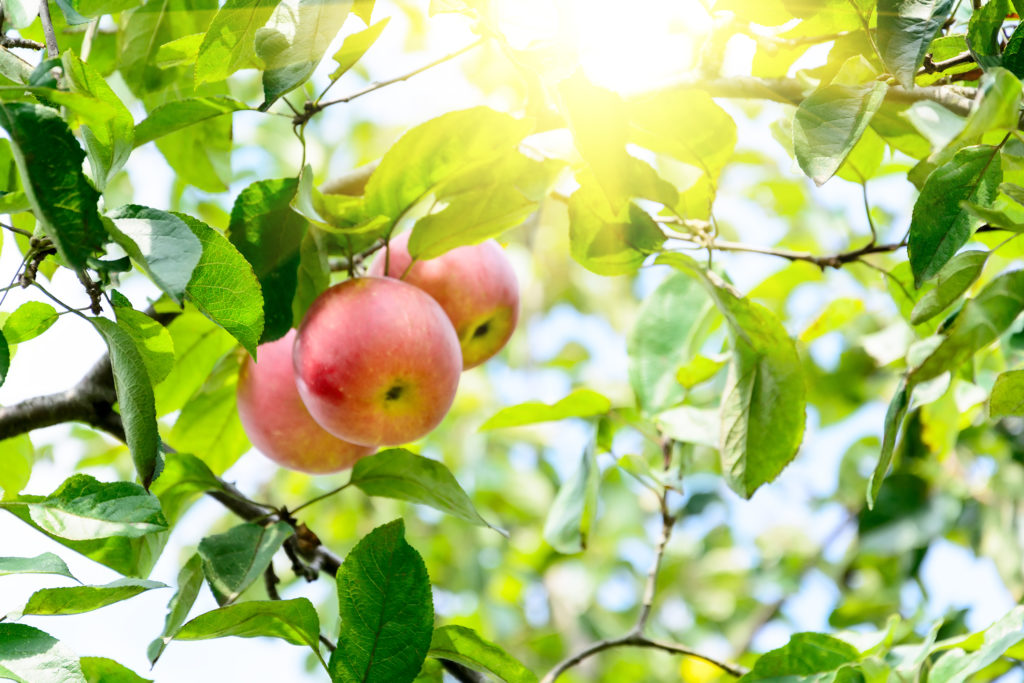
{"x": 377, "y": 359}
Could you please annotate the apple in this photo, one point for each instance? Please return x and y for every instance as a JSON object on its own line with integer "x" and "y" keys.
{"x": 276, "y": 420}
{"x": 475, "y": 286}
{"x": 377, "y": 362}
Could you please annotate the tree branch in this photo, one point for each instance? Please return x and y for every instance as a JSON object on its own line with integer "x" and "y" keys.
{"x": 48, "y": 32}
{"x": 829, "y": 261}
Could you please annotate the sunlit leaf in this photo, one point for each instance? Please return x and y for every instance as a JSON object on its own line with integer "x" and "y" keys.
{"x": 580, "y": 403}
{"x": 190, "y": 580}
{"x": 574, "y": 508}
{"x": 905, "y": 30}
{"x": 233, "y": 560}
{"x": 28, "y": 654}
{"x": 465, "y": 646}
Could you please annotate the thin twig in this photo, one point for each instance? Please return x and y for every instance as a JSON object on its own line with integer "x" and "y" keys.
{"x": 14, "y": 41}
{"x": 823, "y": 262}
{"x": 48, "y": 32}
{"x": 16, "y": 230}
{"x": 930, "y": 67}
{"x": 867, "y": 211}
{"x": 321, "y": 497}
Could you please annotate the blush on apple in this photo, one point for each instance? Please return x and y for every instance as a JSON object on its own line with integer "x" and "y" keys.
{"x": 278, "y": 423}
{"x": 475, "y": 286}
{"x": 377, "y": 361}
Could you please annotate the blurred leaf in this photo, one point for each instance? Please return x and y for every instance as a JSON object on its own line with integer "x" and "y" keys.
{"x": 28, "y": 321}
{"x": 386, "y": 609}
{"x": 700, "y": 369}
{"x": 103, "y": 670}
{"x": 16, "y": 459}
{"x": 978, "y": 324}
{"x": 294, "y": 621}
{"x": 152, "y": 339}
{"x": 145, "y": 29}
{"x": 957, "y": 666}
{"x": 200, "y": 155}
{"x": 670, "y": 328}
{"x": 268, "y": 233}
{"x": 314, "y": 273}
{"x": 996, "y": 110}
{"x": 233, "y": 560}
{"x": 134, "y": 397}
{"x": 397, "y": 473}
{"x": 605, "y": 242}
{"x": 50, "y": 162}
{"x": 573, "y": 510}
{"x": 580, "y": 403}
{"x": 983, "y": 32}
{"x": 224, "y": 287}
{"x": 28, "y": 654}
{"x": 940, "y": 225}
{"x": 190, "y": 580}
{"x": 79, "y": 599}
{"x": 688, "y": 424}
{"x": 110, "y": 144}
{"x": 229, "y": 44}
{"x": 198, "y": 345}
{"x": 905, "y": 30}
{"x": 161, "y": 243}
{"x": 1007, "y": 395}
{"x": 836, "y": 315}
{"x": 302, "y": 31}
{"x": 465, "y": 646}
{"x": 456, "y": 142}
{"x": 179, "y": 114}
{"x": 184, "y": 478}
{"x": 355, "y": 46}
{"x": 829, "y": 123}
{"x": 46, "y": 563}
{"x": 955, "y": 278}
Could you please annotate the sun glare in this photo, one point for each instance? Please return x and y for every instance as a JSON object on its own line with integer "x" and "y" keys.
{"x": 626, "y": 47}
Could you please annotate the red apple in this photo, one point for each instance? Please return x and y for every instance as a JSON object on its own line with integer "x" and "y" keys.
{"x": 276, "y": 420}
{"x": 475, "y": 286}
{"x": 377, "y": 361}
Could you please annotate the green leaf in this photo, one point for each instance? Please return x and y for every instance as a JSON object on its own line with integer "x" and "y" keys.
{"x": 20, "y": 14}
{"x": 609, "y": 243}
{"x": 829, "y": 123}
{"x": 957, "y": 666}
{"x": 233, "y": 560}
{"x": 804, "y": 655}
{"x": 905, "y": 30}
{"x": 50, "y": 162}
{"x": 575, "y": 505}
{"x": 110, "y": 143}
{"x": 182, "y": 51}
{"x": 161, "y": 243}
{"x": 314, "y": 275}
{"x": 294, "y": 621}
{"x": 16, "y": 459}
{"x": 201, "y": 154}
{"x": 148, "y": 27}
{"x": 5, "y": 366}
{"x": 29, "y": 321}
{"x": 190, "y": 581}
{"x": 983, "y": 32}
{"x": 209, "y": 426}
{"x": 700, "y": 369}
{"x": 997, "y": 108}
{"x": 579, "y": 403}
{"x": 224, "y": 287}
{"x": 940, "y": 225}
{"x": 465, "y": 646}
{"x": 1013, "y": 54}
{"x": 28, "y": 655}
{"x": 705, "y": 142}
{"x": 458, "y": 142}
{"x": 152, "y": 339}
{"x": 1007, "y": 395}
{"x": 836, "y": 315}
{"x": 79, "y": 599}
{"x": 386, "y": 609}
{"x": 670, "y": 328}
{"x": 79, "y": 11}
{"x": 184, "y": 478}
{"x": 955, "y": 278}
{"x": 978, "y": 324}
{"x": 134, "y": 397}
{"x": 397, "y": 473}
{"x": 301, "y": 31}
{"x": 268, "y": 233}
{"x": 47, "y": 563}
{"x": 103, "y": 670}
{"x": 688, "y": 424}
{"x": 198, "y": 346}
{"x": 179, "y": 114}
{"x": 893, "y": 421}
{"x": 229, "y": 44}
{"x": 355, "y": 46}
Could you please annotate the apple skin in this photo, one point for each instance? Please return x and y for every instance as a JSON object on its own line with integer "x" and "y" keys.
{"x": 276, "y": 420}
{"x": 377, "y": 362}
{"x": 475, "y": 286}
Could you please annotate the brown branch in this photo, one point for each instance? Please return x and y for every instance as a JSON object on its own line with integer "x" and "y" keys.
{"x": 930, "y": 67}
{"x": 14, "y": 41}
{"x": 823, "y": 262}
{"x": 48, "y": 33}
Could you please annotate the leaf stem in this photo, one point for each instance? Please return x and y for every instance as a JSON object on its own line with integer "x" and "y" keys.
{"x": 321, "y": 497}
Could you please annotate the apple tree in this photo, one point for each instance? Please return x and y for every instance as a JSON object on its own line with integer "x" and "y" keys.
{"x": 761, "y": 414}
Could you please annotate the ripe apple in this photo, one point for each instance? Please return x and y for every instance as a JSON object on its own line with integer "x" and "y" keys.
{"x": 377, "y": 361}
{"x": 276, "y": 420}
{"x": 475, "y": 286}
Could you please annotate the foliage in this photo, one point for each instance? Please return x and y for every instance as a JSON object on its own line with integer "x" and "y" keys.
{"x": 725, "y": 280}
